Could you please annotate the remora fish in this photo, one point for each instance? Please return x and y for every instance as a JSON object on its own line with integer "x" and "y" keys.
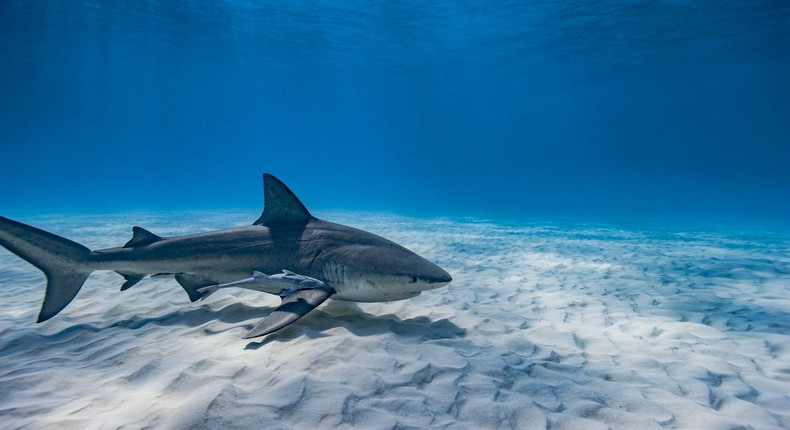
{"x": 318, "y": 259}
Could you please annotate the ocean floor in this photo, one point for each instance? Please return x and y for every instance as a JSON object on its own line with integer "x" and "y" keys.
{"x": 546, "y": 325}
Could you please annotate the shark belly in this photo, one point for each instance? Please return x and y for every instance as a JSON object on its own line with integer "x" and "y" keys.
{"x": 355, "y": 287}
{"x": 372, "y": 295}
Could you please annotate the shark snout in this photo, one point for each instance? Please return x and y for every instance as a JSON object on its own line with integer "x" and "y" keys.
{"x": 444, "y": 278}
{"x": 437, "y": 277}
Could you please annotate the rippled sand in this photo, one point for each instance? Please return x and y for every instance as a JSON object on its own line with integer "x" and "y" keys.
{"x": 546, "y": 325}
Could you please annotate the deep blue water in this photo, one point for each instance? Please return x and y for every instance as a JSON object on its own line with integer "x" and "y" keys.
{"x": 575, "y": 108}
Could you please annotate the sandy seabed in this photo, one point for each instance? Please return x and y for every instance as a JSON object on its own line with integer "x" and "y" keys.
{"x": 546, "y": 325}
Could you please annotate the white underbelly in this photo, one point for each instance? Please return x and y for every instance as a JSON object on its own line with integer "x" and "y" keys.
{"x": 356, "y": 287}
{"x": 369, "y": 289}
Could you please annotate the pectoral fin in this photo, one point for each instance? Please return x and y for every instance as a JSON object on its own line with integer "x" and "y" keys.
{"x": 293, "y": 307}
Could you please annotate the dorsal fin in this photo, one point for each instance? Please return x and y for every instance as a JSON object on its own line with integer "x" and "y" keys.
{"x": 141, "y": 237}
{"x": 280, "y": 205}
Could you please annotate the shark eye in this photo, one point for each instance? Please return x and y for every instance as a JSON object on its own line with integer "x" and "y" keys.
{"x": 413, "y": 279}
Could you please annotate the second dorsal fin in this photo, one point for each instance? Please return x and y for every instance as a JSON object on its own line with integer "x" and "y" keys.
{"x": 141, "y": 237}
{"x": 280, "y": 204}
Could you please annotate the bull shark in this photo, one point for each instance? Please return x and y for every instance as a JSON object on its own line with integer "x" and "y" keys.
{"x": 308, "y": 261}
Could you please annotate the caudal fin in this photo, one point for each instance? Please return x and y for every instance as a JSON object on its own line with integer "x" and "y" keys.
{"x": 64, "y": 262}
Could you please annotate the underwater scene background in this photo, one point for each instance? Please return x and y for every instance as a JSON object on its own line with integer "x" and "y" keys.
{"x": 608, "y": 183}
{"x": 508, "y": 109}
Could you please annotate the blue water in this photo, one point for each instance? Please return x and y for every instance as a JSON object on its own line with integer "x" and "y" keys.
{"x": 600, "y": 109}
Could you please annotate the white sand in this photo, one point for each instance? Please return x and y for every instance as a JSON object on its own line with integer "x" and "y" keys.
{"x": 560, "y": 326}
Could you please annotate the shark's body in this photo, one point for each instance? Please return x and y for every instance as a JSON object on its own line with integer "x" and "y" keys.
{"x": 332, "y": 260}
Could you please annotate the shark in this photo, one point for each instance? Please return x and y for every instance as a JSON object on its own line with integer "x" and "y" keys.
{"x": 286, "y": 252}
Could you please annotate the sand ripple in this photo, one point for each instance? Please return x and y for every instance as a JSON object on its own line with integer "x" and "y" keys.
{"x": 546, "y": 325}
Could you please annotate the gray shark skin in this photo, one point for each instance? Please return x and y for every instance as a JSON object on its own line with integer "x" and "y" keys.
{"x": 316, "y": 259}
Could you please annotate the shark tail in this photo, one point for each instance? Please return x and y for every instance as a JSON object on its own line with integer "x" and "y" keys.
{"x": 64, "y": 262}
